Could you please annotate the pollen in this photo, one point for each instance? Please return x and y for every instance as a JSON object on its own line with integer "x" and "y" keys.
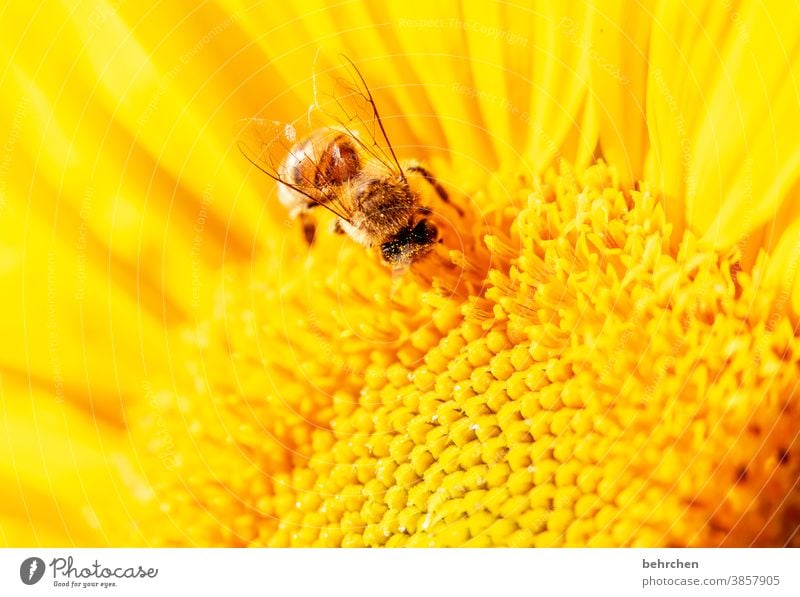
{"x": 601, "y": 384}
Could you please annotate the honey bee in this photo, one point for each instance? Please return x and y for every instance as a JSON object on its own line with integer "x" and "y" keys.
{"x": 348, "y": 166}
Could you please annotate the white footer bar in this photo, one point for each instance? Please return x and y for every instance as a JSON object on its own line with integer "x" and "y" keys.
{"x": 400, "y": 573}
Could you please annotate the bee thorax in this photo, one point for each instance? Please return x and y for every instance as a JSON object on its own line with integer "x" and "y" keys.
{"x": 383, "y": 207}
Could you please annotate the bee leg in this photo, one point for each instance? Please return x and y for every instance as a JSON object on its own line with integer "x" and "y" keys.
{"x": 337, "y": 227}
{"x": 309, "y": 228}
{"x": 431, "y": 180}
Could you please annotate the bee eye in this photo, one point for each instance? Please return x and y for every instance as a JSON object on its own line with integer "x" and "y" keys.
{"x": 424, "y": 233}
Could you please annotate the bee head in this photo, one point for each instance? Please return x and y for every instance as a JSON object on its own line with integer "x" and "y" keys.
{"x": 410, "y": 243}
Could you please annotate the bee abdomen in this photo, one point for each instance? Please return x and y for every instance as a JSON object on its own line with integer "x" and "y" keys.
{"x": 338, "y": 163}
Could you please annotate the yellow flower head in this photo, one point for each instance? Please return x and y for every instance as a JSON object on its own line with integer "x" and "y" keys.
{"x": 613, "y": 363}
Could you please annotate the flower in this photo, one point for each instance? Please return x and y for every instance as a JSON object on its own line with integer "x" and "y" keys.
{"x": 620, "y": 370}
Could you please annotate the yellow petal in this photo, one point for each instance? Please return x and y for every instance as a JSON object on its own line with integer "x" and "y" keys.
{"x": 61, "y": 484}
{"x": 559, "y": 83}
{"x": 67, "y": 326}
{"x": 784, "y": 271}
{"x": 616, "y": 50}
{"x": 721, "y": 100}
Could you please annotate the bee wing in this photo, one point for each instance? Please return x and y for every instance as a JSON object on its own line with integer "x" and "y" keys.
{"x": 267, "y": 143}
{"x": 341, "y": 94}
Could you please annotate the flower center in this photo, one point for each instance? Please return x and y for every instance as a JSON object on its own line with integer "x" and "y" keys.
{"x": 595, "y": 387}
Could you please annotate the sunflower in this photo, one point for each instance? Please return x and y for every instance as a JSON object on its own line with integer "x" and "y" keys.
{"x": 179, "y": 368}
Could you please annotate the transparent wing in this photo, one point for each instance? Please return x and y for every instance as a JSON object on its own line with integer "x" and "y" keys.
{"x": 342, "y": 95}
{"x": 267, "y": 144}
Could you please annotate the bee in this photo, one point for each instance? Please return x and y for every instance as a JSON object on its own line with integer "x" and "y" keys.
{"x": 348, "y": 166}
